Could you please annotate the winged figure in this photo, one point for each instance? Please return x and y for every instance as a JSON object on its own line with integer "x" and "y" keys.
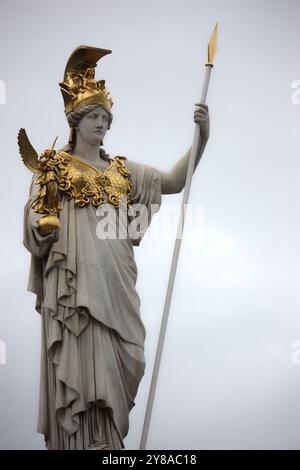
{"x": 46, "y": 167}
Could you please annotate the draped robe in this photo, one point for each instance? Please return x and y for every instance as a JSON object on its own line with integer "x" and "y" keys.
{"x": 92, "y": 335}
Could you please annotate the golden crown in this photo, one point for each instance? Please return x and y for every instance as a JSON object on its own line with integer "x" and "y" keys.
{"x": 79, "y": 87}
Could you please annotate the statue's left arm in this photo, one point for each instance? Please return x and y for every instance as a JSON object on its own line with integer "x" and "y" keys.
{"x": 173, "y": 181}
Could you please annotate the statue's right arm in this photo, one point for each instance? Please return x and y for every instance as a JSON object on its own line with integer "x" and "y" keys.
{"x": 36, "y": 243}
{"x": 173, "y": 181}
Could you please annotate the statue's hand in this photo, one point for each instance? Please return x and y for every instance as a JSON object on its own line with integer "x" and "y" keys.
{"x": 201, "y": 117}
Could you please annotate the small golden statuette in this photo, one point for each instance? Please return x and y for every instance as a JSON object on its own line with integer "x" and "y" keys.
{"x": 47, "y": 169}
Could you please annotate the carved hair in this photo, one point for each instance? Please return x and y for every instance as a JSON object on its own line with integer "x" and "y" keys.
{"x": 75, "y": 117}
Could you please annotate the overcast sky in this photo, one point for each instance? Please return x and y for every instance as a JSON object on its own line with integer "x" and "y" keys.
{"x": 228, "y": 376}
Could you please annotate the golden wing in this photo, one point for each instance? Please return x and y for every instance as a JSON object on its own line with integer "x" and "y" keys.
{"x": 29, "y": 156}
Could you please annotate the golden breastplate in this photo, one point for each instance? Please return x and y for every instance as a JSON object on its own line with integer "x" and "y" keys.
{"x": 85, "y": 183}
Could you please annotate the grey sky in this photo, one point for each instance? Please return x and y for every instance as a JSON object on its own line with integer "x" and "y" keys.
{"x": 226, "y": 380}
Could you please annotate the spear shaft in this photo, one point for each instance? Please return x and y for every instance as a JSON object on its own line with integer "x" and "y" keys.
{"x": 191, "y": 166}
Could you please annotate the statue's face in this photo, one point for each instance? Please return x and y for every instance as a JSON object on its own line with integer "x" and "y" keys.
{"x": 93, "y": 126}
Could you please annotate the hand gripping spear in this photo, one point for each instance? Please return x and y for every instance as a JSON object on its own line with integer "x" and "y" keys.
{"x": 211, "y": 54}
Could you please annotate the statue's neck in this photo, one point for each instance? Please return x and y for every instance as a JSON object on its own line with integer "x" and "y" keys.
{"x": 88, "y": 152}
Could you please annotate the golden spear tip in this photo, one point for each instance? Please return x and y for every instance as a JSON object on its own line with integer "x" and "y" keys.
{"x": 212, "y": 46}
